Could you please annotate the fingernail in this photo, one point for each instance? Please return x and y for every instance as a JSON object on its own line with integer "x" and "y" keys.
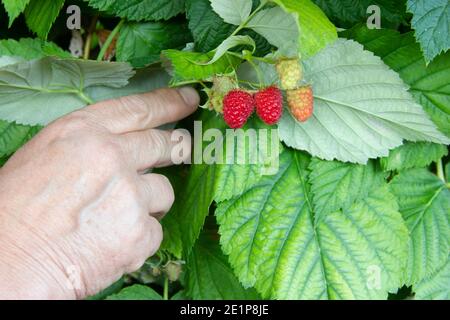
{"x": 189, "y": 95}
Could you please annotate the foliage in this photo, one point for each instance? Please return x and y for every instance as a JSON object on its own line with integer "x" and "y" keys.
{"x": 431, "y": 21}
{"x": 359, "y": 204}
{"x": 346, "y": 13}
{"x": 209, "y": 275}
{"x": 350, "y": 123}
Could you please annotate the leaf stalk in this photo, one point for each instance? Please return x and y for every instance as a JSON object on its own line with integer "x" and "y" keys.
{"x": 166, "y": 288}
{"x": 440, "y": 170}
{"x": 109, "y": 40}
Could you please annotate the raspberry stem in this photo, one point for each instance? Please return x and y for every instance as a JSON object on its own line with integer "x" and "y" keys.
{"x": 258, "y": 73}
{"x": 265, "y": 60}
{"x": 440, "y": 170}
{"x": 243, "y": 25}
{"x": 109, "y": 40}
{"x": 253, "y": 85}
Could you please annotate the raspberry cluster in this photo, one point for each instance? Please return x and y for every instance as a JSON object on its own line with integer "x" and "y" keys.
{"x": 239, "y": 105}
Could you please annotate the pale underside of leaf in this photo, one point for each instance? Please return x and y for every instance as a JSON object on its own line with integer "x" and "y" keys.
{"x": 7, "y": 60}
{"x": 278, "y": 27}
{"x": 230, "y": 43}
{"x": 40, "y": 91}
{"x": 232, "y": 11}
{"x": 429, "y": 84}
{"x": 362, "y": 109}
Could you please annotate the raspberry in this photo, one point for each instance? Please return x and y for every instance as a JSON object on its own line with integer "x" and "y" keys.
{"x": 301, "y": 103}
{"x": 221, "y": 86}
{"x": 290, "y": 72}
{"x": 269, "y": 105}
{"x": 238, "y": 106}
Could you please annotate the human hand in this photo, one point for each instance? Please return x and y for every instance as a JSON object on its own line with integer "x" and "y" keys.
{"x": 76, "y": 209}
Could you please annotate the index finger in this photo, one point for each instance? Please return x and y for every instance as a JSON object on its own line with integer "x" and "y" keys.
{"x": 145, "y": 111}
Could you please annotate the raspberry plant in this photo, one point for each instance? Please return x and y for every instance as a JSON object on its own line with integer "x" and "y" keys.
{"x": 360, "y": 204}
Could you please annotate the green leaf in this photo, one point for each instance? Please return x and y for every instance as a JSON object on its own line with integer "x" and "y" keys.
{"x": 138, "y": 10}
{"x": 230, "y": 43}
{"x": 209, "y": 275}
{"x": 274, "y": 244}
{"x": 141, "y": 43}
{"x": 431, "y": 20}
{"x": 172, "y": 235}
{"x": 263, "y": 47}
{"x": 145, "y": 80}
{"x": 13, "y": 136}
{"x": 200, "y": 185}
{"x": 196, "y": 198}
{"x": 435, "y": 287}
{"x": 413, "y": 155}
{"x": 172, "y": 242}
{"x": 278, "y": 27}
{"x": 41, "y": 14}
{"x": 14, "y": 8}
{"x": 362, "y": 108}
{"x": 346, "y": 13}
{"x": 208, "y": 29}
{"x": 3, "y": 161}
{"x": 315, "y": 30}
{"x": 6, "y": 61}
{"x": 194, "y": 193}
{"x": 337, "y": 185}
{"x": 136, "y": 292}
{"x": 232, "y": 180}
{"x": 232, "y": 11}
{"x": 428, "y": 84}
{"x": 187, "y": 66}
{"x": 424, "y": 203}
{"x": 31, "y": 49}
{"x": 39, "y": 91}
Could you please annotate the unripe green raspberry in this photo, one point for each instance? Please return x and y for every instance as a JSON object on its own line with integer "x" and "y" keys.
{"x": 290, "y": 72}
{"x": 221, "y": 86}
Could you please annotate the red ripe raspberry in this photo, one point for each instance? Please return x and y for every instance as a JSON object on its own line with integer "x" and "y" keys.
{"x": 238, "y": 106}
{"x": 269, "y": 105}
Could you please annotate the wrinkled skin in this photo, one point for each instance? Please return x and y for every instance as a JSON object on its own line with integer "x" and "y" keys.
{"x": 76, "y": 209}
